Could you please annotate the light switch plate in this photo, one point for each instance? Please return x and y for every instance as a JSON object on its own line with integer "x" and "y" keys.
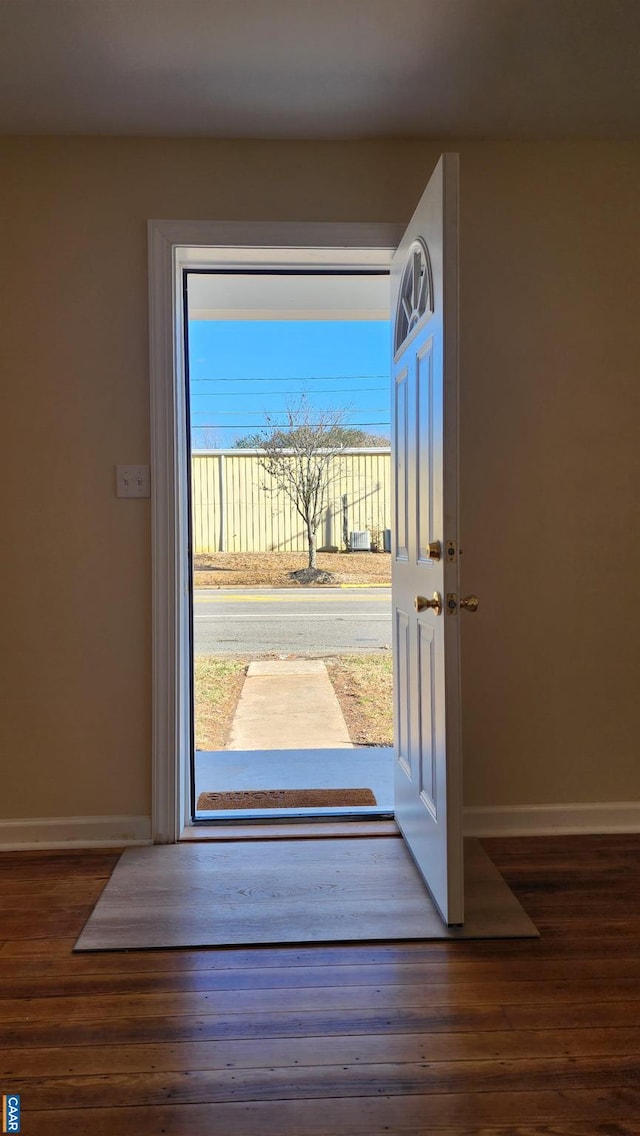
{"x": 133, "y": 481}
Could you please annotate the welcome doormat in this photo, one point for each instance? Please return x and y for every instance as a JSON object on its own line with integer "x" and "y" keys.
{"x": 285, "y": 799}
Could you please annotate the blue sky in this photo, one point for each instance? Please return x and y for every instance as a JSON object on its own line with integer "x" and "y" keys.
{"x": 242, "y": 369}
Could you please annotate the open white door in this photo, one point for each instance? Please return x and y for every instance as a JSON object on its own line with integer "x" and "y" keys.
{"x": 428, "y": 758}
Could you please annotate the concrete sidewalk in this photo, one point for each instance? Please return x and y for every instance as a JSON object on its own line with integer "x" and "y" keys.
{"x": 288, "y": 704}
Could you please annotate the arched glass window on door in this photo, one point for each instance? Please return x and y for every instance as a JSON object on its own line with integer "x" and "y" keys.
{"x": 416, "y": 293}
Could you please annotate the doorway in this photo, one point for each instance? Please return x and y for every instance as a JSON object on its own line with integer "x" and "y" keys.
{"x": 177, "y": 248}
{"x": 288, "y": 399}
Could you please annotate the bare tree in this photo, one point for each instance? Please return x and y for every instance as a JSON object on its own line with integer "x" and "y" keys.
{"x": 351, "y": 436}
{"x": 209, "y": 437}
{"x": 299, "y": 457}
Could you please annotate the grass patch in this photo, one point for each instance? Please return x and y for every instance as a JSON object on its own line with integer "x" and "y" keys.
{"x": 272, "y": 569}
{"x": 364, "y": 689}
{"x": 217, "y": 686}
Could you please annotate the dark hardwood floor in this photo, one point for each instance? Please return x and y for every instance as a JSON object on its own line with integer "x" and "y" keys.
{"x": 516, "y": 1038}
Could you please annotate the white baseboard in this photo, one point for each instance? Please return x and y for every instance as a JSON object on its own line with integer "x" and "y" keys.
{"x": 550, "y": 820}
{"x": 510, "y": 820}
{"x": 74, "y": 832}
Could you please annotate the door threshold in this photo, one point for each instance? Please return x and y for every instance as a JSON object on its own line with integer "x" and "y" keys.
{"x": 296, "y": 830}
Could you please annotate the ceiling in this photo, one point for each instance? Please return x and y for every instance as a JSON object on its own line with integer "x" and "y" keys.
{"x": 321, "y": 69}
{"x": 288, "y": 296}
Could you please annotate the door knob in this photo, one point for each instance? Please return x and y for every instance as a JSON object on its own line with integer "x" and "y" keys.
{"x": 422, "y": 603}
{"x": 469, "y": 603}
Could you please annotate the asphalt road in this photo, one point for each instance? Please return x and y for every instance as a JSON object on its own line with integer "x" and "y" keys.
{"x": 244, "y": 621}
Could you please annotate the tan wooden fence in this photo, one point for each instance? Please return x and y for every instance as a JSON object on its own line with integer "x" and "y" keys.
{"x": 236, "y": 509}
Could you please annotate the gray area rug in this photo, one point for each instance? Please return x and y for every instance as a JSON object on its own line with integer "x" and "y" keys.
{"x": 289, "y": 891}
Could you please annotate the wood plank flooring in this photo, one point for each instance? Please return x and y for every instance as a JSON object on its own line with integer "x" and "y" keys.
{"x": 505, "y": 1038}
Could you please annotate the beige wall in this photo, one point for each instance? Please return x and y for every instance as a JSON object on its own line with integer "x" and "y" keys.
{"x": 550, "y": 417}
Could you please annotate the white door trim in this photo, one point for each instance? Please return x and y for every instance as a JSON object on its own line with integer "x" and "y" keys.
{"x": 173, "y": 247}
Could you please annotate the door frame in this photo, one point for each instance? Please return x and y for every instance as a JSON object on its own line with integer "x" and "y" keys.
{"x": 173, "y": 247}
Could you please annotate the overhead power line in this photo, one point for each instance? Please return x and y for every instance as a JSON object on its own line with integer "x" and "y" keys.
{"x": 292, "y": 379}
{"x": 243, "y": 394}
{"x": 269, "y": 413}
{"x": 283, "y": 426}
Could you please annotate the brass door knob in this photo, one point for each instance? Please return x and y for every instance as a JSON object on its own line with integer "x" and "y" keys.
{"x": 469, "y": 603}
{"x": 422, "y": 603}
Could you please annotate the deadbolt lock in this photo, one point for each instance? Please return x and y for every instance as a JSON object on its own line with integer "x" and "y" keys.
{"x": 469, "y": 603}
{"x": 435, "y": 604}
{"x": 434, "y": 550}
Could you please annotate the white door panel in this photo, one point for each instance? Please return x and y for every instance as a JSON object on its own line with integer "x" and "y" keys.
{"x": 428, "y": 766}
